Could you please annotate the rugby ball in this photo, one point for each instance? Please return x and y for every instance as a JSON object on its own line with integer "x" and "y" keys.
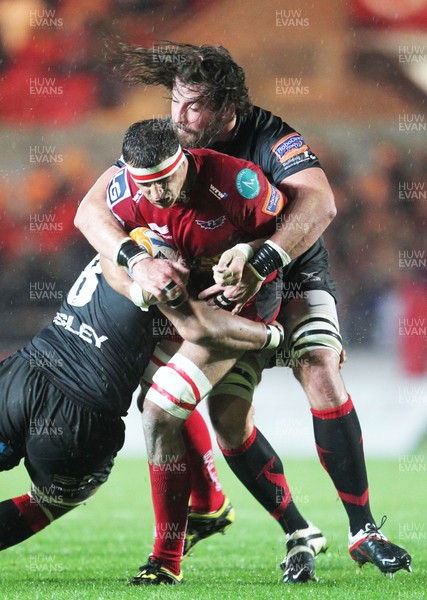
{"x": 154, "y": 244}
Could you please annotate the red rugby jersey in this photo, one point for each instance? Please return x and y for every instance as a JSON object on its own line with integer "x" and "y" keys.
{"x": 230, "y": 201}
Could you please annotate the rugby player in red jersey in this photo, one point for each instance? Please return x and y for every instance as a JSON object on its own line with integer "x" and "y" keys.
{"x": 200, "y": 202}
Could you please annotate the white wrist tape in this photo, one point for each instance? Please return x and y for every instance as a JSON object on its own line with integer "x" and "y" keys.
{"x": 137, "y": 296}
{"x": 245, "y": 249}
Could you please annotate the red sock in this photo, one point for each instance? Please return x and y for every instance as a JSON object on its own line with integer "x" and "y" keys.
{"x": 33, "y": 514}
{"x": 20, "y": 518}
{"x": 170, "y": 489}
{"x": 206, "y": 490}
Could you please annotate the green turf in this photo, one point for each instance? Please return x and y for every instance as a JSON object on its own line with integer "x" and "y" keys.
{"x": 95, "y": 549}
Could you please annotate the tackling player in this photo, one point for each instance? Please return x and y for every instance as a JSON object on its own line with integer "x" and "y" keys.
{"x": 63, "y": 396}
{"x": 211, "y": 107}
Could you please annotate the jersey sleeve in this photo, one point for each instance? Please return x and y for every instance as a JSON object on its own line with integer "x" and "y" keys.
{"x": 120, "y": 200}
{"x": 282, "y": 151}
{"x": 256, "y": 204}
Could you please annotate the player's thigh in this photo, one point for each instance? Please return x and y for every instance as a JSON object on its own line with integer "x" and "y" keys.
{"x": 310, "y": 323}
{"x": 230, "y": 401}
{"x": 70, "y": 449}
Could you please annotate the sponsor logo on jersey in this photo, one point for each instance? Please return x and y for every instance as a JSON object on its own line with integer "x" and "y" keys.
{"x": 247, "y": 183}
{"x": 310, "y": 277}
{"x": 216, "y": 192}
{"x": 274, "y": 202}
{"x": 289, "y": 146}
{"x": 118, "y": 188}
{"x": 212, "y": 223}
{"x": 85, "y": 332}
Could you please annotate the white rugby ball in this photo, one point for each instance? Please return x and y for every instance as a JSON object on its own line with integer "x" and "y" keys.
{"x": 154, "y": 244}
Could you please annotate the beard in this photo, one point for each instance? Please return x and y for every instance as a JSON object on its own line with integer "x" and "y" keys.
{"x": 202, "y": 138}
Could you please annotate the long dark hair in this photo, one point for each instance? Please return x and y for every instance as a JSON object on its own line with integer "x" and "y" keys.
{"x": 210, "y": 68}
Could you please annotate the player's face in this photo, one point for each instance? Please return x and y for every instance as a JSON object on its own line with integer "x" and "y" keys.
{"x": 196, "y": 125}
{"x": 163, "y": 193}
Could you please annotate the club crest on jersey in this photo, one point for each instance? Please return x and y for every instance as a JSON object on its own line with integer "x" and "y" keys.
{"x": 247, "y": 183}
{"x": 212, "y": 223}
{"x": 217, "y": 193}
{"x": 289, "y": 146}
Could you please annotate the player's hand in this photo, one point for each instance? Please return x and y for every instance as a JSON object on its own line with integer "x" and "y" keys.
{"x": 165, "y": 280}
{"x": 229, "y": 269}
{"x": 238, "y": 294}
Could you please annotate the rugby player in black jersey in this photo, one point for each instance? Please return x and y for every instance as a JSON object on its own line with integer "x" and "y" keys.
{"x": 63, "y": 396}
{"x": 211, "y": 108}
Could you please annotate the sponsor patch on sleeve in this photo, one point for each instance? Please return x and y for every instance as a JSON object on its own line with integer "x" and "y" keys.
{"x": 289, "y": 146}
{"x": 274, "y": 202}
{"x": 247, "y": 183}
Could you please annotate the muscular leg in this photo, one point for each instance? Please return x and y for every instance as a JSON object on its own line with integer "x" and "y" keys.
{"x": 246, "y": 450}
{"x": 165, "y": 411}
{"x": 26, "y": 515}
{"x": 315, "y": 346}
{"x": 337, "y": 433}
{"x": 316, "y": 360}
{"x": 202, "y": 324}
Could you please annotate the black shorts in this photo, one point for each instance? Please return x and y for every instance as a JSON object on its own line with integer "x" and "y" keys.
{"x": 310, "y": 271}
{"x": 68, "y": 449}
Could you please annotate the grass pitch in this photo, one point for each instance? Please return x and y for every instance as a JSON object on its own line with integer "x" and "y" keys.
{"x": 93, "y": 551}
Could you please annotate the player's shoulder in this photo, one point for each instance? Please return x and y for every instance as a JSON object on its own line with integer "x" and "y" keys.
{"x": 216, "y": 161}
{"x": 279, "y": 148}
{"x": 229, "y": 177}
{"x": 268, "y": 128}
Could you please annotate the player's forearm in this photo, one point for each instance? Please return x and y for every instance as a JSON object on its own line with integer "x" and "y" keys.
{"x": 215, "y": 329}
{"x": 309, "y": 213}
{"x": 116, "y": 277}
{"x": 195, "y": 321}
{"x": 94, "y": 219}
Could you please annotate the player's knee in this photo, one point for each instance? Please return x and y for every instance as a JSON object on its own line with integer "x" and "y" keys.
{"x": 319, "y": 374}
{"x": 316, "y": 364}
{"x": 232, "y": 419}
{"x": 177, "y": 388}
{"x": 57, "y": 502}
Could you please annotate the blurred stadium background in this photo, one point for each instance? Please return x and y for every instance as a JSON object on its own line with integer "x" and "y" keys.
{"x": 350, "y": 76}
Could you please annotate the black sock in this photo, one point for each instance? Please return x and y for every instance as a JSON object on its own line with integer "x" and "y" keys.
{"x": 258, "y": 467}
{"x": 340, "y": 448}
{"x": 20, "y": 518}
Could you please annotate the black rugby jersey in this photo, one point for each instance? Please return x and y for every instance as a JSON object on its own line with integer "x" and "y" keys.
{"x": 280, "y": 151}
{"x": 97, "y": 346}
{"x": 269, "y": 142}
